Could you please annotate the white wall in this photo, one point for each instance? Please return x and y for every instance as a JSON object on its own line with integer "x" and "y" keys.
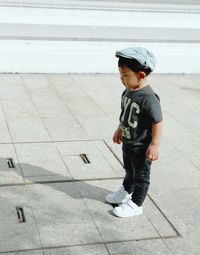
{"x": 56, "y": 56}
{"x": 90, "y": 57}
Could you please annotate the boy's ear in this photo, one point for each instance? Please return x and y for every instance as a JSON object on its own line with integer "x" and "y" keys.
{"x": 142, "y": 75}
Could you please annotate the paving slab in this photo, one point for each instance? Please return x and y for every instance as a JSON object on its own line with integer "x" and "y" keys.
{"x": 66, "y": 86}
{"x": 151, "y": 224}
{"x": 19, "y": 109}
{"x": 40, "y": 159}
{"x": 115, "y": 148}
{"x": 83, "y": 107}
{"x": 88, "y": 112}
{"x": 62, "y": 129}
{"x": 54, "y": 112}
{"x": 42, "y": 97}
{"x": 10, "y": 92}
{"x": 147, "y": 247}
{"x": 177, "y": 111}
{"x": 111, "y": 82}
{"x": 86, "y": 250}
{"x": 61, "y": 216}
{"x": 103, "y": 163}
{"x": 71, "y": 224}
{"x": 182, "y": 207}
{"x": 28, "y": 130}
{"x": 112, "y": 157}
{"x": 189, "y": 146}
{"x": 10, "y": 79}
{"x": 173, "y": 127}
{"x": 97, "y": 127}
{"x": 4, "y": 131}
{"x": 174, "y": 170}
{"x": 66, "y": 214}
{"x": 15, "y": 235}
{"x": 9, "y": 174}
{"x": 60, "y": 161}
{"x": 35, "y": 82}
{"x": 106, "y": 101}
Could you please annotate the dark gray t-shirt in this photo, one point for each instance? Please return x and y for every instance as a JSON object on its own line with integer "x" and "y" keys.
{"x": 139, "y": 109}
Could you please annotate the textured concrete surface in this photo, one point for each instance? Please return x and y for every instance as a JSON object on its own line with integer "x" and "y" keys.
{"x": 47, "y": 121}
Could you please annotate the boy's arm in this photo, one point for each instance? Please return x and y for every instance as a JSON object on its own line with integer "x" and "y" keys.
{"x": 117, "y": 137}
{"x": 153, "y": 149}
{"x": 156, "y": 133}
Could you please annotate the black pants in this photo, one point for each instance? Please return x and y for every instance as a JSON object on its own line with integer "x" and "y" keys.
{"x": 137, "y": 178}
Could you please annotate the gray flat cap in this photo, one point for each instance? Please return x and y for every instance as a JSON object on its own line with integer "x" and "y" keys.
{"x": 145, "y": 57}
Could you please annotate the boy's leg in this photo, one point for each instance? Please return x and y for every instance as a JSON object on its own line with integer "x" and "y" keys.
{"x": 129, "y": 178}
{"x": 141, "y": 178}
{"x": 124, "y": 193}
{"x": 142, "y": 169}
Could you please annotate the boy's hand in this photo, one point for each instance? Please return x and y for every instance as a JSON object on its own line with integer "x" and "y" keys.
{"x": 152, "y": 152}
{"x": 117, "y": 137}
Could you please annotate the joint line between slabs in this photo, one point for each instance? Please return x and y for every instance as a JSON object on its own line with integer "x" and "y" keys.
{"x": 88, "y": 244}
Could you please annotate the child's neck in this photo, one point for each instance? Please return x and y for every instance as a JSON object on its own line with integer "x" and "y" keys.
{"x": 140, "y": 86}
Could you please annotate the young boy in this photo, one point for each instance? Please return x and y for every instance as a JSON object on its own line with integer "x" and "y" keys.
{"x": 139, "y": 130}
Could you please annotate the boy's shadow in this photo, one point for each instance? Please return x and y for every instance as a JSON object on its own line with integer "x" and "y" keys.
{"x": 76, "y": 189}
{"x": 51, "y": 207}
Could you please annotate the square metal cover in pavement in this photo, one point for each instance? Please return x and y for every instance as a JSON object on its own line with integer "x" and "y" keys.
{"x": 77, "y": 160}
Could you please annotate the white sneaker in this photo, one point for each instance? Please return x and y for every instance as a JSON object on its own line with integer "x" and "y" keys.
{"x": 120, "y": 196}
{"x": 127, "y": 209}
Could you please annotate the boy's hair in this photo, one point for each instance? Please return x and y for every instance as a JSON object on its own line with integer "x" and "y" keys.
{"x": 134, "y": 65}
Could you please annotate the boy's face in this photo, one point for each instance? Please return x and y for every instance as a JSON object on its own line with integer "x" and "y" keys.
{"x": 129, "y": 78}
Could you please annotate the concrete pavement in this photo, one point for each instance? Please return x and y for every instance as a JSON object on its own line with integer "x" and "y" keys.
{"x": 52, "y": 199}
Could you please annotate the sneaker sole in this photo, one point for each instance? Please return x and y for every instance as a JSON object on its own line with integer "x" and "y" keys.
{"x": 123, "y": 216}
{"x": 116, "y": 202}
